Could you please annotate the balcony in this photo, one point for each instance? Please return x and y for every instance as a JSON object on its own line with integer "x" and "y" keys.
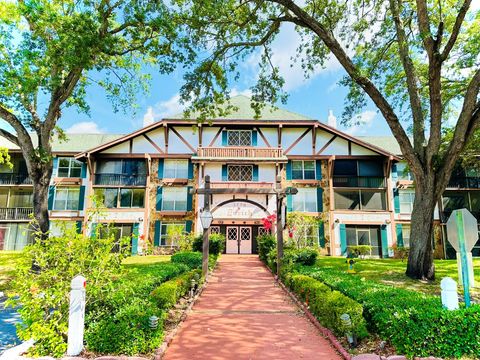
{"x": 120, "y": 180}
{"x": 359, "y": 181}
{"x": 15, "y": 179}
{"x": 241, "y": 185}
{"x": 464, "y": 182}
{"x": 20, "y": 213}
{"x": 239, "y": 153}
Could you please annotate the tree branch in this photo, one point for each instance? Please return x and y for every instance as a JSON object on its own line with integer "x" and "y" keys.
{"x": 456, "y": 29}
{"x": 424, "y": 26}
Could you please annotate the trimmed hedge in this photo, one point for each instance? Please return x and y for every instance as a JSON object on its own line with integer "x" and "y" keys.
{"x": 327, "y": 304}
{"x": 192, "y": 259}
{"x": 265, "y": 244}
{"x": 167, "y": 294}
{"x": 216, "y": 244}
{"x": 415, "y": 323}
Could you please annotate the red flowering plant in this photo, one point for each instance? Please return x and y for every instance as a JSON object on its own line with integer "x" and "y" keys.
{"x": 268, "y": 222}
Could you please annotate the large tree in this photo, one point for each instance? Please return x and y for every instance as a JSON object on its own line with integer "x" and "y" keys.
{"x": 417, "y": 61}
{"x": 51, "y": 51}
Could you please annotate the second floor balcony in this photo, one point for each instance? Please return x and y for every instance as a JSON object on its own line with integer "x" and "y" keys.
{"x": 239, "y": 153}
{"x": 15, "y": 179}
{"x": 18, "y": 213}
{"x": 120, "y": 179}
{"x": 464, "y": 182}
{"x": 359, "y": 181}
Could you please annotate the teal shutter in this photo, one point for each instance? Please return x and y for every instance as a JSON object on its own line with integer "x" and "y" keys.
{"x": 394, "y": 172}
{"x": 79, "y": 226}
{"x": 93, "y": 233}
{"x": 160, "y": 168}
{"x": 321, "y": 234}
{"x": 289, "y": 170}
{"x": 224, "y": 138}
{"x": 255, "y": 173}
{"x": 343, "y": 239}
{"x": 318, "y": 170}
{"x": 319, "y": 199}
{"x": 189, "y": 198}
{"x": 55, "y": 166}
{"x": 224, "y": 173}
{"x": 289, "y": 203}
{"x": 81, "y": 198}
{"x": 396, "y": 201}
{"x": 157, "y": 235}
{"x": 383, "y": 236}
{"x": 51, "y": 196}
{"x": 135, "y": 239}
{"x": 83, "y": 172}
{"x": 159, "y": 198}
{"x": 190, "y": 169}
{"x": 254, "y": 138}
{"x": 399, "y": 234}
{"x": 188, "y": 226}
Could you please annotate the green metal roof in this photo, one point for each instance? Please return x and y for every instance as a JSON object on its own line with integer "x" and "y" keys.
{"x": 75, "y": 142}
{"x": 388, "y": 143}
{"x": 245, "y": 112}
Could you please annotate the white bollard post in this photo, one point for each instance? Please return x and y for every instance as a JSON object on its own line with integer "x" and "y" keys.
{"x": 449, "y": 293}
{"x": 76, "y": 319}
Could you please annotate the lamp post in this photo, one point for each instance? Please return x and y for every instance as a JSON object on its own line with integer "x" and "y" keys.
{"x": 206, "y": 219}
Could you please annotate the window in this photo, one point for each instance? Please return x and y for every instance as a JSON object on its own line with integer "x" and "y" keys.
{"x": 69, "y": 167}
{"x": 15, "y": 236}
{"x": 303, "y": 170}
{"x": 125, "y": 167}
{"x": 239, "y": 138}
{"x": 21, "y": 198}
{"x": 361, "y": 173}
{"x": 406, "y": 198}
{"x": 132, "y": 198}
{"x": 175, "y": 169}
{"x": 402, "y": 172}
{"x": 66, "y": 199}
{"x": 360, "y": 200}
{"x": 240, "y": 172}
{"x": 169, "y": 232}
{"x": 454, "y": 200}
{"x": 406, "y": 235}
{"x": 215, "y": 230}
{"x": 58, "y": 227}
{"x": 305, "y": 200}
{"x": 364, "y": 235}
{"x": 124, "y": 198}
{"x": 117, "y": 230}
{"x": 174, "y": 199}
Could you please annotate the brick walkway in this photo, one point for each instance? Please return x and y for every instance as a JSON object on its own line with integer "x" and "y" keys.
{"x": 242, "y": 314}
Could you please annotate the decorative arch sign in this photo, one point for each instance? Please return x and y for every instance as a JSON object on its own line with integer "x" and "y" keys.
{"x": 239, "y": 210}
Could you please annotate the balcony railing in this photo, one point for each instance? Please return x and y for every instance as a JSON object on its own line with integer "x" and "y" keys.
{"x": 464, "y": 182}
{"x": 240, "y": 185}
{"x": 20, "y": 213}
{"x": 15, "y": 179}
{"x": 120, "y": 179}
{"x": 359, "y": 181}
{"x": 234, "y": 152}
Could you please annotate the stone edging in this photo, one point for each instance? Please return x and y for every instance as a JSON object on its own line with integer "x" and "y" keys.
{"x": 323, "y": 330}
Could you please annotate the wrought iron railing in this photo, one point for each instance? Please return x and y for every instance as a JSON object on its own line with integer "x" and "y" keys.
{"x": 239, "y": 152}
{"x": 359, "y": 181}
{"x": 120, "y": 179}
{"x": 15, "y": 179}
{"x": 19, "y": 213}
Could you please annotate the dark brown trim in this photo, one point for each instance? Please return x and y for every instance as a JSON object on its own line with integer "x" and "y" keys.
{"x": 279, "y": 135}
{"x": 130, "y": 146}
{"x": 216, "y": 135}
{"x": 349, "y": 148}
{"x": 200, "y": 136}
{"x": 153, "y": 144}
{"x": 165, "y": 133}
{"x": 263, "y": 136}
{"x": 183, "y": 139}
{"x": 297, "y": 141}
{"x": 326, "y": 145}
{"x": 314, "y": 140}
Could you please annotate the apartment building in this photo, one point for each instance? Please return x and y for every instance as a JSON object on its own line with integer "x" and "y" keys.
{"x": 357, "y": 192}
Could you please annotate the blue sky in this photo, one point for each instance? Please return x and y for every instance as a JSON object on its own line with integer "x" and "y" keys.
{"x": 313, "y": 97}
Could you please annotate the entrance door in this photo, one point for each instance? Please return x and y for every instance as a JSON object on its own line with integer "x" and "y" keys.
{"x": 232, "y": 240}
{"x": 245, "y": 240}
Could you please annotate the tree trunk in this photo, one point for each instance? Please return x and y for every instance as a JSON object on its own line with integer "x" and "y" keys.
{"x": 420, "y": 258}
{"x": 41, "y": 183}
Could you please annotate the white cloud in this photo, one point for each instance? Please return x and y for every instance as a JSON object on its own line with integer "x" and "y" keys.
{"x": 85, "y": 127}
{"x": 364, "y": 122}
{"x": 148, "y": 117}
{"x": 236, "y": 92}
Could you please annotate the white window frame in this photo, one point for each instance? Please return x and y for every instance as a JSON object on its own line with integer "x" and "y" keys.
{"x": 303, "y": 169}
{"x": 163, "y": 236}
{"x": 71, "y": 161}
{"x": 406, "y": 204}
{"x": 175, "y": 193}
{"x": 242, "y": 180}
{"x": 299, "y": 201}
{"x": 239, "y": 131}
{"x": 177, "y": 167}
{"x": 67, "y": 200}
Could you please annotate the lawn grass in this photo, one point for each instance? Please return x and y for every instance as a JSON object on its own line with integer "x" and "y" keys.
{"x": 392, "y": 272}
{"x": 8, "y": 261}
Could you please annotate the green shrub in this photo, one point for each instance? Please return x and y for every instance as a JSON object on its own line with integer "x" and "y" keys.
{"x": 306, "y": 256}
{"x": 265, "y": 243}
{"x": 359, "y": 250}
{"x": 272, "y": 260}
{"x": 167, "y": 294}
{"x": 328, "y": 305}
{"x": 415, "y": 323}
{"x": 216, "y": 244}
{"x": 192, "y": 259}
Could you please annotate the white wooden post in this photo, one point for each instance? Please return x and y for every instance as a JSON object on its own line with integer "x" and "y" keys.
{"x": 76, "y": 319}
{"x": 449, "y": 293}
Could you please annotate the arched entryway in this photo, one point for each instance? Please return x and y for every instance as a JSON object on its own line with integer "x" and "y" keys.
{"x": 240, "y": 220}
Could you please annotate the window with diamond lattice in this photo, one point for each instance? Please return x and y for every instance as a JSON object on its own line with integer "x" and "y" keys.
{"x": 232, "y": 233}
{"x": 262, "y": 231}
{"x": 240, "y": 172}
{"x": 214, "y": 230}
{"x": 245, "y": 233}
{"x": 239, "y": 138}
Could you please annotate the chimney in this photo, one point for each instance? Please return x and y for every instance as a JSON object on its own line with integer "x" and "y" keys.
{"x": 332, "y": 120}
